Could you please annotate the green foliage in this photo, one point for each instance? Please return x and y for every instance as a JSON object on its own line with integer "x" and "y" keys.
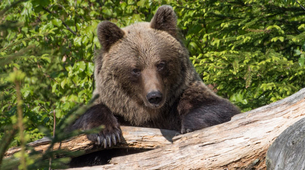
{"x": 250, "y": 51}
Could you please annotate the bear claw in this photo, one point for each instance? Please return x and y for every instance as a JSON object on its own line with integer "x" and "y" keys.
{"x": 183, "y": 130}
{"x": 108, "y": 139}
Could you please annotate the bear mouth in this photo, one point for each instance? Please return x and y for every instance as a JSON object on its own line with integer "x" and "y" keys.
{"x": 154, "y": 106}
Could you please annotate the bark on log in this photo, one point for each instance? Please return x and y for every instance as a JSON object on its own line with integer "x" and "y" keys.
{"x": 239, "y": 144}
{"x": 134, "y": 137}
{"x": 287, "y": 151}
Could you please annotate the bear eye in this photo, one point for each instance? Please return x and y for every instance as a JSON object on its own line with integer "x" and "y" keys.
{"x": 136, "y": 72}
{"x": 161, "y": 66}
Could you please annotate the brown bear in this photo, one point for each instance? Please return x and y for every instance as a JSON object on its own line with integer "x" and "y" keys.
{"x": 144, "y": 77}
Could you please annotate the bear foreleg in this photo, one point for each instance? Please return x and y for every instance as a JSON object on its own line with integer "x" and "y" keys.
{"x": 199, "y": 108}
{"x": 96, "y": 116}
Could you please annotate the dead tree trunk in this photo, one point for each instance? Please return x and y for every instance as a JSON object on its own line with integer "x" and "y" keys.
{"x": 134, "y": 137}
{"x": 239, "y": 144}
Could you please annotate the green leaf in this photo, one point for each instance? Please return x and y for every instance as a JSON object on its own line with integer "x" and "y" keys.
{"x": 141, "y": 3}
{"x": 17, "y": 75}
{"x": 301, "y": 61}
{"x": 297, "y": 52}
{"x": 63, "y": 83}
{"x": 57, "y": 22}
{"x": 78, "y": 41}
{"x": 90, "y": 68}
{"x": 81, "y": 66}
{"x": 44, "y": 56}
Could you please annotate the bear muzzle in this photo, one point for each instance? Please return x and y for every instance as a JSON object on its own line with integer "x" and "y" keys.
{"x": 154, "y": 99}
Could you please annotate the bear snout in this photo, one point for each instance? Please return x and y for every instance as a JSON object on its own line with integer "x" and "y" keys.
{"x": 154, "y": 98}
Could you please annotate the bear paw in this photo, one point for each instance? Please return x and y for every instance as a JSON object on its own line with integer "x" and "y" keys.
{"x": 186, "y": 125}
{"x": 185, "y": 129}
{"x": 108, "y": 137}
{"x": 193, "y": 121}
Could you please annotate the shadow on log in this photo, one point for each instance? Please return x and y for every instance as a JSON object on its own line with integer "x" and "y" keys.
{"x": 241, "y": 143}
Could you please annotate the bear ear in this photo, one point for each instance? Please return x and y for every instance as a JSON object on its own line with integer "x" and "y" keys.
{"x": 108, "y": 33}
{"x": 165, "y": 19}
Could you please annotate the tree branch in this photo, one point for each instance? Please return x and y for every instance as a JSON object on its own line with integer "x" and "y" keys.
{"x": 68, "y": 28}
{"x": 14, "y": 4}
{"x": 300, "y": 4}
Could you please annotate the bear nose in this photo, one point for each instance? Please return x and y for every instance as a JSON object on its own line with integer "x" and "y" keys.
{"x": 154, "y": 97}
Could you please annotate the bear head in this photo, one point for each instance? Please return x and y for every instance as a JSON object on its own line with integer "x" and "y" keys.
{"x": 142, "y": 67}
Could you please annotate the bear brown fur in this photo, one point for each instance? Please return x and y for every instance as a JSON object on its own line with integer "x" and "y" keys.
{"x": 144, "y": 77}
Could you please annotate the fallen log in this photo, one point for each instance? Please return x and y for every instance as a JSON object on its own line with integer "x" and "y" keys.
{"x": 134, "y": 137}
{"x": 239, "y": 144}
